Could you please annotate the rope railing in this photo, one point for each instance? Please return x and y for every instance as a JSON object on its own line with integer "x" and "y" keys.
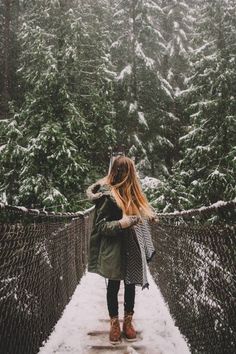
{"x": 220, "y": 205}
{"x": 23, "y": 211}
{"x": 44, "y": 255}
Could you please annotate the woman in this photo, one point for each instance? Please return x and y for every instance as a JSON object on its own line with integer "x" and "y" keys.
{"x": 115, "y": 252}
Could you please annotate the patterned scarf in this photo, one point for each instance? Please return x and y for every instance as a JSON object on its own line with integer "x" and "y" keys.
{"x": 139, "y": 252}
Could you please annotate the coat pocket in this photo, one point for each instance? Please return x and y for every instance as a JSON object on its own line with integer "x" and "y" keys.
{"x": 108, "y": 247}
{"x": 110, "y": 258}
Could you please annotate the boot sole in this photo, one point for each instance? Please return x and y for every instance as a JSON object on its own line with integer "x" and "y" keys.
{"x": 131, "y": 339}
{"x": 115, "y": 342}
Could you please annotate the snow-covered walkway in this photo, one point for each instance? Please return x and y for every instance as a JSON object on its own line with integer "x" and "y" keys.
{"x": 84, "y": 325}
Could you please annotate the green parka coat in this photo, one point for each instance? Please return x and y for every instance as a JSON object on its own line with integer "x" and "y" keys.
{"x": 107, "y": 244}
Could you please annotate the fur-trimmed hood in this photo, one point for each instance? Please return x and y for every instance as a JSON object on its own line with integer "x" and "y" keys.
{"x": 99, "y": 189}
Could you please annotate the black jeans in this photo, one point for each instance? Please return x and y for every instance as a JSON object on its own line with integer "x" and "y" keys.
{"x": 112, "y": 297}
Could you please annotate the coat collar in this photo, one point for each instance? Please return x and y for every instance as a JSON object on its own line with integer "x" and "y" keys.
{"x": 99, "y": 189}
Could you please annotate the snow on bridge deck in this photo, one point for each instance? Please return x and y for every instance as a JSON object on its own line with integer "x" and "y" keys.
{"x": 84, "y": 325}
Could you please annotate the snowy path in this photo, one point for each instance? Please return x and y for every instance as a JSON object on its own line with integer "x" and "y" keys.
{"x": 84, "y": 325}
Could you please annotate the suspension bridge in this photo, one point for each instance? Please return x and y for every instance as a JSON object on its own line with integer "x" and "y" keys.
{"x": 44, "y": 258}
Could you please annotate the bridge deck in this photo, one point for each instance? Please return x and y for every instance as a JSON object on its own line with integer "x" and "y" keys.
{"x": 84, "y": 325}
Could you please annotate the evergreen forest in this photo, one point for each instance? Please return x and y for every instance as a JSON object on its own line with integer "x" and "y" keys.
{"x": 79, "y": 77}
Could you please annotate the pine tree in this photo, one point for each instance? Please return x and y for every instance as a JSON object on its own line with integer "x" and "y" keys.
{"x": 141, "y": 92}
{"x": 95, "y": 85}
{"x": 43, "y": 159}
{"x": 8, "y": 54}
{"x": 177, "y": 26}
{"x": 208, "y": 166}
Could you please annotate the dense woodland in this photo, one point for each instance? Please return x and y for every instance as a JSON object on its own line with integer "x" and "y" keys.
{"x": 80, "y": 76}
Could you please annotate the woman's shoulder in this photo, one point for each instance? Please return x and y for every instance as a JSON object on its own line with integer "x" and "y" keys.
{"x": 98, "y": 190}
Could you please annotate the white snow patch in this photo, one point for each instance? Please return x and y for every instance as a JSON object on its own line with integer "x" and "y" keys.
{"x": 53, "y": 193}
{"x": 3, "y": 198}
{"x": 149, "y": 62}
{"x": 22, "y": 208}
{"x": 88, "y": 305}
{"x": 203, "y": 47}
{"x": 2, "y": 147}
{"x": 137, "y": 140}
{"x": 151, "y": 182}
{"x": 142, "y": 119}
{"x": 126, "y": 71}
{"x": 133, "y": 107}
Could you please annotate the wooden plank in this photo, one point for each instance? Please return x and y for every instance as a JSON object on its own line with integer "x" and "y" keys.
{"x": 127, "y": 350}
{"x": 105, "y": 332}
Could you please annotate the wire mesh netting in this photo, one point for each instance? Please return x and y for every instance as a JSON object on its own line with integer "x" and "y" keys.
{"x": 43, "y": 257}
{"x": 194, "y": 267}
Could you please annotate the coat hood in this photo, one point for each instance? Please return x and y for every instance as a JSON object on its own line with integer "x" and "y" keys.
{"x": 98, "y": 190}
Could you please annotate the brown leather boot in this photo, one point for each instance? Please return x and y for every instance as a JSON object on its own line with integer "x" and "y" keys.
{"x": 128, "y": 328}
{"x": 115, "y": 332}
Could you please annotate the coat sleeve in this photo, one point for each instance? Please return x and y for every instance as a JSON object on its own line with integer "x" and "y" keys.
{"x": 104, "y": 223}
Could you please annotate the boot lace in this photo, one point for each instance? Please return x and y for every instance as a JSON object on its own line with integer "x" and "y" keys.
{"x": 115, "y": 326}
{"x": 128, "y": 319}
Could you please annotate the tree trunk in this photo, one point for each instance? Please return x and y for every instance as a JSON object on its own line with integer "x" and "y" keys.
{"x": 134, "y": 34}
{"x": 6, "y": 66}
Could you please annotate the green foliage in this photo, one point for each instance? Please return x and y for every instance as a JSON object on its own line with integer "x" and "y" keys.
{"x": 208, "y": 166}
{"x": 44, "y": 159}
{"x": 155, "y": 75}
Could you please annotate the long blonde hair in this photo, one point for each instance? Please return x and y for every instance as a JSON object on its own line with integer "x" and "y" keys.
{"x": 126, "y": 188}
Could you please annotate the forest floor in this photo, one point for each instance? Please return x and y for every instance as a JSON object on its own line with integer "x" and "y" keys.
{"x": 84, "y": 325}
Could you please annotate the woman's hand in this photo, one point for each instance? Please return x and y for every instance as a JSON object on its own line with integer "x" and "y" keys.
{"x": 128, "y": 220}
{"x": 154, "y": 219}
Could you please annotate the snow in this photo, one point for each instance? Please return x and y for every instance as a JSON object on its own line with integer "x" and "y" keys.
{"x": 133, "y": 107}
{"x": 165, "y": 86}
{"x": 195, "y": 183}
{"x": 203, "y": 47}
{"x": 88, "y": 306}
{"x": 137, "y": 140}
{"x": 140, "y": 53}
{"x": 126, "y": 71}
{"x": 151, "y": 182}
{"x": 176, "y": 25}
{"x": 183, "y": 34}
{"x": 204, "y": 259}
{"x": 153, "y": 6}
{"x": 110, "y": 72}
{"x": 191, "y": 134}
{"x": 170, "y": 74}
{"x": 2, "y": 147}
{"x": 142, "y": 119}
{"x": 40, "y": 248}
{"x": 52, "y": 195}
{"x": 171, "y": 115}
{"x": 22, "y": 208}
{"x": 116, "y": 44}
{"x": 3, "y": 199}
{"x": 119, "y": 13}
{"x": 215, "y": 205}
